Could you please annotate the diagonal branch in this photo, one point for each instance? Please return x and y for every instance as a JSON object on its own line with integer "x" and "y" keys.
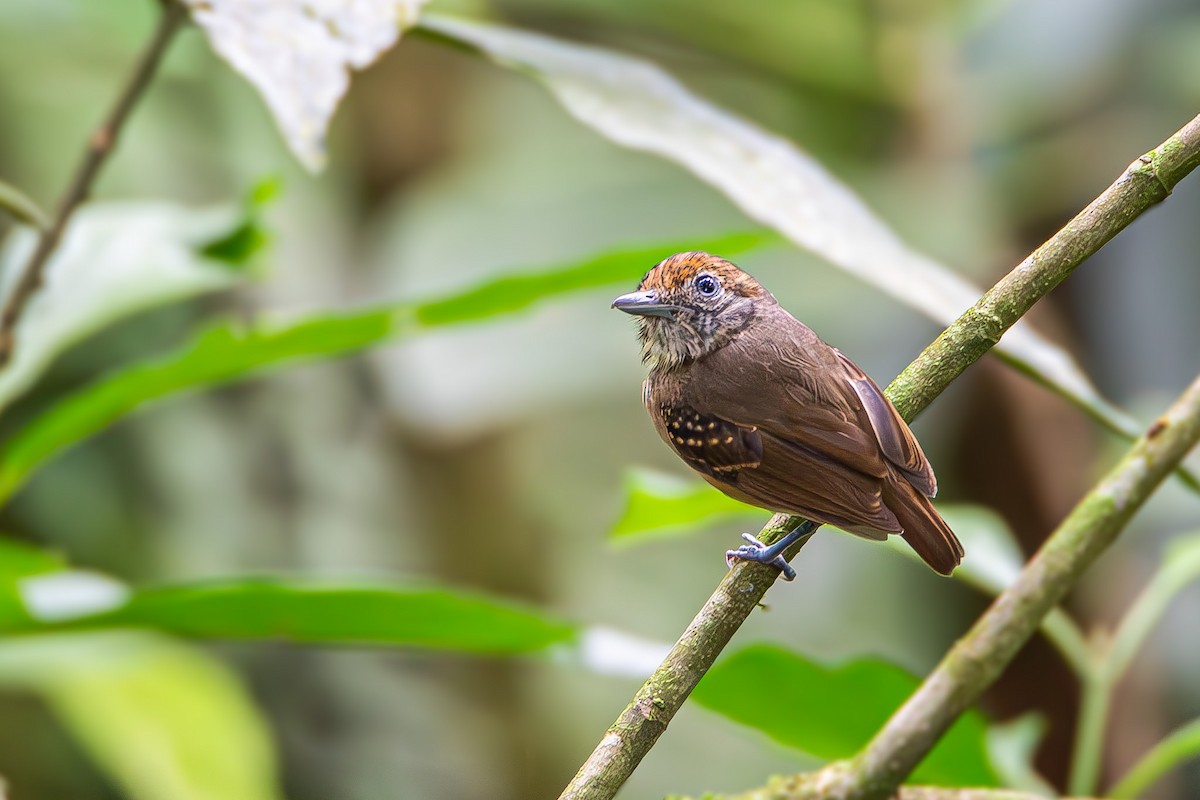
{"x": 979, "y": 657}
{"x": 99, "y": 146}
{"x": 1147, "y": 181}
{"x": 784, "y": 788}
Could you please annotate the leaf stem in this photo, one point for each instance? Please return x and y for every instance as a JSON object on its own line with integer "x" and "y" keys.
{"x": 1095, "y": 703}
{"x": 99, "y": 146}
{"x": 1062, "y": 632}
{"x": 19, "y": 204}
{"x": 1180, "y": 567}
{"x": 1144, "y": 183}
{"x": 1181, "y": 745}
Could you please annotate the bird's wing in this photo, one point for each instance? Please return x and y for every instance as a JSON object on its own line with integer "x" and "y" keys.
{"x": 763, "y": 469}
{"x": 801, "y": 481}
{"x": 896, "y": 440}
{"x": 782, "y": 379}
{"x": 708, "y": 443}
{"x": 810, "y": 393}
{"x": 830, "y": 438}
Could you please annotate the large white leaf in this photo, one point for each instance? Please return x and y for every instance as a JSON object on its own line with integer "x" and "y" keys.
{"x": 638, "y": 105}
{"x": 114, "y": 259}
{"x": 298, "y": 54}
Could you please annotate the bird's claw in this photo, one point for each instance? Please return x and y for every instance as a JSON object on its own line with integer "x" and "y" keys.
{"x": 755, "y": 550}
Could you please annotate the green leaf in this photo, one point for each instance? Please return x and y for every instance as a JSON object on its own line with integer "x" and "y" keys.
{"x": 17, "y": 562}
{"x": 658, "y": 504}
{"x": 238, "y": 248}
{"x": 115, "y": 259}
{"x": 359, "y": 611}
{"x": 265, "y": 191}
{"x": 637, "y": 105}
{"x": 327, "y": 612}
{"x": 1012, "y": 750}
{"x": 165, "y": 721}
{"x": 832, "y": 712}
{"x": 228, "y": 352}
{"x": 21, "y": 207}
{"x": 218, "y": 355}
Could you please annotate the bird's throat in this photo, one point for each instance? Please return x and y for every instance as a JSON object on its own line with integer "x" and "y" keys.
{"x": 668, "y": 344}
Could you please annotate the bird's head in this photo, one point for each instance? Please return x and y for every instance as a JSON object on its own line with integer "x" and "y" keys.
{"x": 690, "y": 305}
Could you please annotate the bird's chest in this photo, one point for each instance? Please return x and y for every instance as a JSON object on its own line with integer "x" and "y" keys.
{"x": 679, "y": 406}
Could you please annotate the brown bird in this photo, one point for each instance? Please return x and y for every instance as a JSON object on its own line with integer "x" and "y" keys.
{"x": 749, "y": 397}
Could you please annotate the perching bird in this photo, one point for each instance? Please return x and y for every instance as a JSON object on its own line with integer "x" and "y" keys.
{"x": 751, "y": 398}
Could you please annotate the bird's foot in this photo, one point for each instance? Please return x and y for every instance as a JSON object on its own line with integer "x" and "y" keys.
{"x": 763, "y": 554}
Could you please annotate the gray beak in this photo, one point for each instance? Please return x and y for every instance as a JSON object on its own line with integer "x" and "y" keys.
{"x": 643, "y": 304}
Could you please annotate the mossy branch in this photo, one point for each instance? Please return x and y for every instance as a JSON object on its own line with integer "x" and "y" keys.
{"x": 979, "y": 657}
{"x": 784, "y": 788}
{"x": 1146, "y": 182}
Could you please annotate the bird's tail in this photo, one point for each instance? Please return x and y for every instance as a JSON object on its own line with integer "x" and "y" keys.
{"x": 924, "y": 529}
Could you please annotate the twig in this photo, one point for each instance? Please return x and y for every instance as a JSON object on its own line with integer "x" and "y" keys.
{"x": 1164, "y": 756}
{"x": 1112, "y": 655}
{"x": 1143, "y": 184}
{"x": 99, "y": 146}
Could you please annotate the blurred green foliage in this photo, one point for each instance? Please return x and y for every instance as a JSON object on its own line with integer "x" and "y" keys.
{"x": 352, "y": 612}
{"x": 832, "y": 712}
{"x": 483, "y": 448}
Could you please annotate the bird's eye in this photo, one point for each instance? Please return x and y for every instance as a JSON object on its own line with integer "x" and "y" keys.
{"x": 707, "y": 285}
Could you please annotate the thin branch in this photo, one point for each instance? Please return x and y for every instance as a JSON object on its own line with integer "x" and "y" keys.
{"x": 979, "y": 657}
{"x": 1146, "y": 182}
{"x": 99, "y": 146}
{"x": 975, "y": 662}
{"x": 785, "y": 788}
{"x": 647, "y": 716}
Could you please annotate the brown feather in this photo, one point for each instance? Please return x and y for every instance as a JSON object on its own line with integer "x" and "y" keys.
{"x": 924, "y": 529}
{"x": 775, "y": 417}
